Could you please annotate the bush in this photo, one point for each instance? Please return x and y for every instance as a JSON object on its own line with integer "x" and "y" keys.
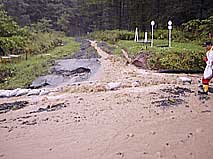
{"x": 112, "y": 36}
{"x": 185, "y": 60}
{"x": 197, "y": 30}
{"x": 12, "y": 43}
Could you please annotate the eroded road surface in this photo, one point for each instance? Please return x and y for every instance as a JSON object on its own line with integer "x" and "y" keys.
{"x": 120, "y": 112}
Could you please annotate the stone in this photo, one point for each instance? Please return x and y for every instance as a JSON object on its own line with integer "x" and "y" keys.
{"x": 22, "y": 92}
{"x": 130, "y": 135}
{"x": 34, "y": 92}
{"x": 136, "y": 84}
{"x": 4, "y": 93}
{"x": 185, "y": 80}
{"x": 113, "y": 85}
{"x": 44, "y": 92}
{"x": 14, "y": 92}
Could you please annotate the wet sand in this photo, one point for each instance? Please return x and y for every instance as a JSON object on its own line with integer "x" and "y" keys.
{"x": 160, "y": 118}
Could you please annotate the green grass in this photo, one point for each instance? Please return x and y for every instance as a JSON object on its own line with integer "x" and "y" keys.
{"x": 24, "y": 72}
{"x": 134, "y": 48}
{"x": 186, "y": 56}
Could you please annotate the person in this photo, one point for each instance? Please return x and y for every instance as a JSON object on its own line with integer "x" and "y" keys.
{"x": 209, "y": 62}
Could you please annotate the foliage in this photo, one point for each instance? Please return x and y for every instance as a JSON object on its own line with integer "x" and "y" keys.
{"x": 41, "y": 42}
{"x": 112, "y": 36}
{"x": 198, "y": 29}
{"x": 14, "y": 43}
{"x": 12, "y": 37}
{"x": 7, "y": 26}
{"x": 21, "y": 74}
{"x": 182, "y": 56}
{"x": 31, "y": 43}
{"x": 38, "y": 38}
{"x": 63, "y": 23}
{"x": 43, "y": 25}
{"x": 186, "y": 60}
{"x": 78, "y": 17}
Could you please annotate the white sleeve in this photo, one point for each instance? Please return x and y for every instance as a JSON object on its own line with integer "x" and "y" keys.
{"x": 210, "y": 58}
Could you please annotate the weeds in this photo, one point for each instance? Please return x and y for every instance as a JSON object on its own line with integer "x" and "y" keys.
{"x": 23, "y": 73}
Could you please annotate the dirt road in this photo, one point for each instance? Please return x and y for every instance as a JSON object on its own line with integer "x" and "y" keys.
{"x": 149, "y": 116}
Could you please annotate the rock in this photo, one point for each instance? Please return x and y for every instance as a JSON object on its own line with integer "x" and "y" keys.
{"x": 39, "y": 83}
{"x": 153, "y": 133}
{"x": 141, "y": 60}
{"x": 121, "y": 154}
{"x": 3, "y": 120}
{"x": 22, "y": 92}
{"x": 185, "y": 80}
{"x": 34, "y": 92}
{"x": 14, "y": 92}
{"x": 136, "y": 84}
{"x": 206, "y": 111}
{"x": 130, "y": 135}
{"x": 113, "y": 85}
{"x": 44, "y": 92}
{"x": 4, "y": 93}
{"x": 171, "y": 100}
{"x": 81, "y": 99}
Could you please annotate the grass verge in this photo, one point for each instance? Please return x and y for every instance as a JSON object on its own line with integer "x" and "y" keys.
{"x": 21, "y": 74}
{"x": 181, "y": 56}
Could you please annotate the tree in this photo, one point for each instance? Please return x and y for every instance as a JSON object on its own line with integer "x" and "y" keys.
{"x": 81, "y": 16}
{"x": 7, "y": 26}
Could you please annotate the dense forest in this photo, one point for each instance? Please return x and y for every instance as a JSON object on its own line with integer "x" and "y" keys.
{"x": 77, "y": 17}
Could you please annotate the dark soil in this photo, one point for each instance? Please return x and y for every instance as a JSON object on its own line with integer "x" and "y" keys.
{"x": 86, "y": 51}
{"x": 69, "y": 73}
{"x": 177, "y": 91}
{"x": 172, "y": 97}
{"x": 6, "y": 107}
{"x": 168, "y": 102}
{"x": 105, "y": 47}
{"x": 50, "y": 108}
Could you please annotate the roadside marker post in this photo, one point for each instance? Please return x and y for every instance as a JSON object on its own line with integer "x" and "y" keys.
{"x": 136, "y": 35}
{"x": 152, "y": 24}
{"x": 170, "y": 32}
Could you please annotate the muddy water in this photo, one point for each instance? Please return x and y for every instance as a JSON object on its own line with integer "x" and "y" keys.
{"x": 79, "y": 67}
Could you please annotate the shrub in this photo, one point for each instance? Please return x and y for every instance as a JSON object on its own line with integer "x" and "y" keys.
{"x": 185, "y": 60}
{"x": 112, "y": 36}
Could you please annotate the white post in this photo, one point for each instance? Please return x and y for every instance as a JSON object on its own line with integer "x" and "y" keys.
{"x": 170, "y": 33}
{"x": 152, "y": 24}
{"x": 136, "y": 35}
{"x": 170, "y": 37}
{"x": 146, "y": 37}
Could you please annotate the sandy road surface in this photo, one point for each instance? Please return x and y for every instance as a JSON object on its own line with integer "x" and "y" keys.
{"x": 161, "y": 118}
